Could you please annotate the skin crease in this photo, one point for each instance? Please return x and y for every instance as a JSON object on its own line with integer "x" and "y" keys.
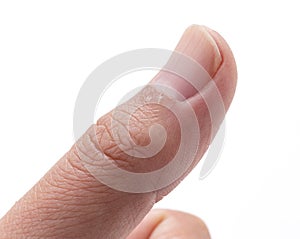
{"x": 68, "y": 202}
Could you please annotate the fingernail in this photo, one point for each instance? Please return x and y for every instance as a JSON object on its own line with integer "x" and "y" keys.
{"x": 198, "y": 44}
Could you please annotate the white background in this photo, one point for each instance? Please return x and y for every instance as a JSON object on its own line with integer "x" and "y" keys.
{"x": 47, "y": 49}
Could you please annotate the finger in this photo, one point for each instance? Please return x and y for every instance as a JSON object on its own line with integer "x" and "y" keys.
{"x": 170, "y": 224}
{"x": 73, "y": 200}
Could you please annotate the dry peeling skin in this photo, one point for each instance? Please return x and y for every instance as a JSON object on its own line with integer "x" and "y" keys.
{"x": 143, "y": 145}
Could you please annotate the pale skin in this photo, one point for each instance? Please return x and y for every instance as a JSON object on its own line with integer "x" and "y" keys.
{"x": 69, "y": 202}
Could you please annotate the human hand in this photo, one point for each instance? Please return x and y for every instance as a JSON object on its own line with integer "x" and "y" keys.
{"x": 69, "y": 202}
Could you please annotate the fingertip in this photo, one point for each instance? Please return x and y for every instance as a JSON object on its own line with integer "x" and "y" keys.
{"x": 163, "y": 223}
{"x": 226, "y": 76}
